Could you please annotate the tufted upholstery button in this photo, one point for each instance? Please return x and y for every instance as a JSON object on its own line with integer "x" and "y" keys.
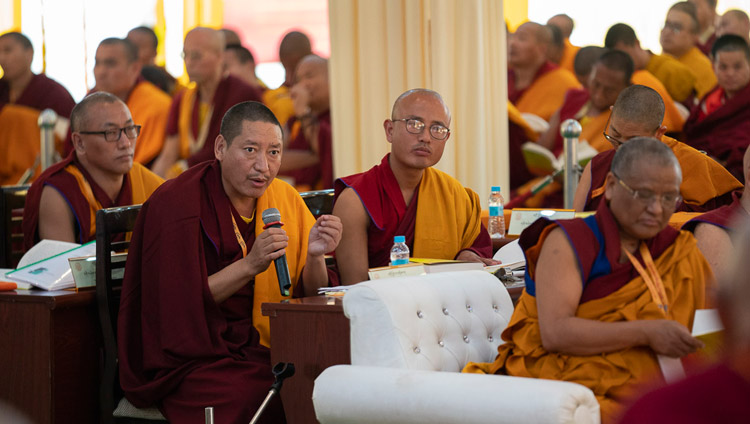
{"x": 469, "y": 308}
{"x": 466, "y": 339}
{"x": 417, "y": 349}
{"x": 441, "y": 343}
{"x": 490, "y": 338}
{"x": 495, "y": 307}
{"x": 445, "y": 311}
{"x": 420, "y": 314}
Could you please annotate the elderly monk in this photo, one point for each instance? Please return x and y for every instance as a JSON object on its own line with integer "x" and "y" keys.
{"x": 609, "y": 76}
{"x": 622, "y": 37}
{"x": 705, "y": 10}
{"x": 714, "y": 228}
{"x": 719, "y": 393}
{"x": 195, "y": 114}
{"x": 679, "y": 37}
{"x": 309, "y": 159}
{"x": 735, "y": 22}
{"x": 535, "y": 85}
{"x": 118, "y": 71}
{"x": 720, "y": 123}
{"x": 615, "y": 288}
{"x": 677, "y": 78}
{"x": 201, "y": 244}
{"x": 405, "y": 195}
{"x": 565, "y": 24}
{"x": 638, "y": 112}
{"x": 293, "y": 47}
{"x": 21, "y": 86}
{"x": 99, "y": 173}
{"x": 147, "y": 42}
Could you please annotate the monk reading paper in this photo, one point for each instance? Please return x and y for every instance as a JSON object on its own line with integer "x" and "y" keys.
{"x": 405, "y": 195}
{"x": 605, "y": 294}
{"x": 190, "y": 330}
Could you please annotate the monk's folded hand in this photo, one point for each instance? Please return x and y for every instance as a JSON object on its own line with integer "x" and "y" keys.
{"x": 269, "y": 245}
{"x": 471, "y": 256}
{"x": 324, "y": 235}
{"x": 670, "y": 338}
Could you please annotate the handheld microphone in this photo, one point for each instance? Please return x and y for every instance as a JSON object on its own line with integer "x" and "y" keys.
{"x": 272, "y": 219}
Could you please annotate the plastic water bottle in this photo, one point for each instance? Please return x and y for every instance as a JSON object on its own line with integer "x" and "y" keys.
{"x": 496, "y": 225}
{"x": 399, "y": 251}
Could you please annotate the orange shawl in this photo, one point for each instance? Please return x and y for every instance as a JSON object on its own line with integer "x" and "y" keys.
{"x": 150, "y": 109}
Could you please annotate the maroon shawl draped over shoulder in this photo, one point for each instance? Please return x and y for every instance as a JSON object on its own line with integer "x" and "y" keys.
{"x": 41, "y": 93}
{"x": 723, "y": 217}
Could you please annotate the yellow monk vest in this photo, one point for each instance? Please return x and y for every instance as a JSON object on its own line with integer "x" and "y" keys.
{"x": 150, "y": 109}
{"x": 546, "y": 94}
{"x": 705, "y": 80}
{"x": 676, "y": 77}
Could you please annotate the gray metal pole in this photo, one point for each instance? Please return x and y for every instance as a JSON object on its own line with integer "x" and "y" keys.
{"x": 570, "y": 131}
{"x": 209, "y": 413}
{"x": 46, "y": 122}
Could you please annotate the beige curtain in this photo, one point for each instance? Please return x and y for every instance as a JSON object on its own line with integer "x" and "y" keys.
{"x": 379, "y": 49}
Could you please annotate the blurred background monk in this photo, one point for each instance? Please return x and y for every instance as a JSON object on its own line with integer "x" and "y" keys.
{"x": 293, "y": 47}
{"x": 720, "y": 123}
{"x": 734, "y": 21}
{"x": 586, "y": 309}
{"x": 147, "y": 42}
{"x": 565, "y": 24}
{"x": 705, "y": 10}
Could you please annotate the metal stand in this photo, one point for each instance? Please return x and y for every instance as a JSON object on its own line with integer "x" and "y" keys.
{"x": 570, "y": 131}
{"x": 280, "y": 371}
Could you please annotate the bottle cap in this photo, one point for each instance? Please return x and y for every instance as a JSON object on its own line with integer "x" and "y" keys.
{"x": 399, "y": 239}
{"x": 495, "y": 188}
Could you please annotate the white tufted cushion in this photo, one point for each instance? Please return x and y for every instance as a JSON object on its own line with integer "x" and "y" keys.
{"x": 126, "y": 409}
{"x": 433, "y": 322}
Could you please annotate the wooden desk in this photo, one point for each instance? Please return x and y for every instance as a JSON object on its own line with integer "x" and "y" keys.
{"x": 313, "y": 334}
{"x": 49, "y": 355}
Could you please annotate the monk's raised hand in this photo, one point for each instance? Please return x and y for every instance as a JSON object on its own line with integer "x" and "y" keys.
{"x": 269, "y": 245}
{"x": 324, "y": 235}
{"x": 670, "y": 338}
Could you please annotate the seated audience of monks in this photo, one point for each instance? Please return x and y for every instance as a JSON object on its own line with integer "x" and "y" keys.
{"x": 639, "y": 112}
{"x": 405, "y": 195}
{"x": 308, "y": 161}
{"x": 196, "y": 112}
{"x": 147, "y": 42}
{"x": 720, "y": 123}
{"x": 293, "y": 47}
{"x": 118, "y": 71}
{"x": 98, "y": 173}
{"x": 205, "y": 342}
{"x": 587, "y": 308}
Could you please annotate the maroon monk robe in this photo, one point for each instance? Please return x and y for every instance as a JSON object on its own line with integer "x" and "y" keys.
{"x": 41, "y": 93}
{"x": 515, "y": 94}
{"x": 64, "y": 182}
{"x": 381, "y": 197}
{"x": 178, "y": 348}
{"x": 723, "y": 134}
{"x": 723, "y": 217}
{"x": 600, "y": 166}
{"x": 231, "y": 90}
{"x": 717, "y": 395}
{"x": 320, "y": 176}
{"x": 519, "y": 173}
{"x": 574, "y": 101}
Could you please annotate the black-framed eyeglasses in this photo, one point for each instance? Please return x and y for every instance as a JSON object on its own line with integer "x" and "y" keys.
{"x": 416, "y": 126}
{"x": 131, "y": 132}
{"x": 616, "y": 142}
{"x": 646, "y": 197}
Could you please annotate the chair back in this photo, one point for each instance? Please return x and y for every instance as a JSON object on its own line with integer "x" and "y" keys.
{"x": 12, "y": 201}
{"x": 319, "y": 202}
{"x": 436, "y": 322}
{"x": 111, "y": 227}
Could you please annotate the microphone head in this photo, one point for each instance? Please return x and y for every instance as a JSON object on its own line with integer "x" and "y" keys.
{"x": 271, "y": 215}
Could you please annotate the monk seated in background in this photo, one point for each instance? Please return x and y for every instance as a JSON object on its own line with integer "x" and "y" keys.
{"x": 673, "y": 74}
{"x": 308, "y": 158}
{"x": 605, "y": 294}
{"x": 720, "y": 124}
{"x": 679, "y": 38}
{"x": 19, "y": 143}
{"x": 117, "y": 71}
{"x": 293, "y": 47}
{"x": 190, "y": 330}
{"x": 196, "y": 112}
{"x": 638, "y": 112}
{"x": 705, "y": 11}
{"x": 535, "y": 85}
{"x": 713, "y": 230}
{"x": 591, "y": 107}
{"x": 735, "y": 22}
{"x": 147, "y": 42}
{"x": 99, "y": 173}
{"x": 565, "y": 24}
{"x": 404, "y": 195}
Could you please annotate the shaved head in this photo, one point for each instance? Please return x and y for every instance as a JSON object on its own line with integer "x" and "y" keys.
{"x": 639, "y": 105}
{"x": 540, "y": 32}
{"x": 564, "y": 22}
{"x": 638, "y": 148}
{"x": 211, "y": 37}
{"x": 734, "y": 22}
{"x": 294, "y": 46}
{"x": 231, "y": 38}
{"x": 584, "y": 61}
{"x": 417, "y": 91}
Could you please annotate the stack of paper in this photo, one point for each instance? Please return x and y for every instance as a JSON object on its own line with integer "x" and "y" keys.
{"x": 46, "y": 264}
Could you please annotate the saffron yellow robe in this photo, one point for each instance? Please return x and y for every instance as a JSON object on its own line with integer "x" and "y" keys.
{"x": 677, "y": 78}
{"x": 700, "y": 65}
{"x": 149, "y": 107}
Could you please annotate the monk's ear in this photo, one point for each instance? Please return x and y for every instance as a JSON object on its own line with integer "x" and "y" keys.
{"x": 609, "y": 185}
{"x": 388, "y": 126}
{"x": 660, "y": 132}
{"x": 77, "y": 143}
{"x": 220, "y": 147}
